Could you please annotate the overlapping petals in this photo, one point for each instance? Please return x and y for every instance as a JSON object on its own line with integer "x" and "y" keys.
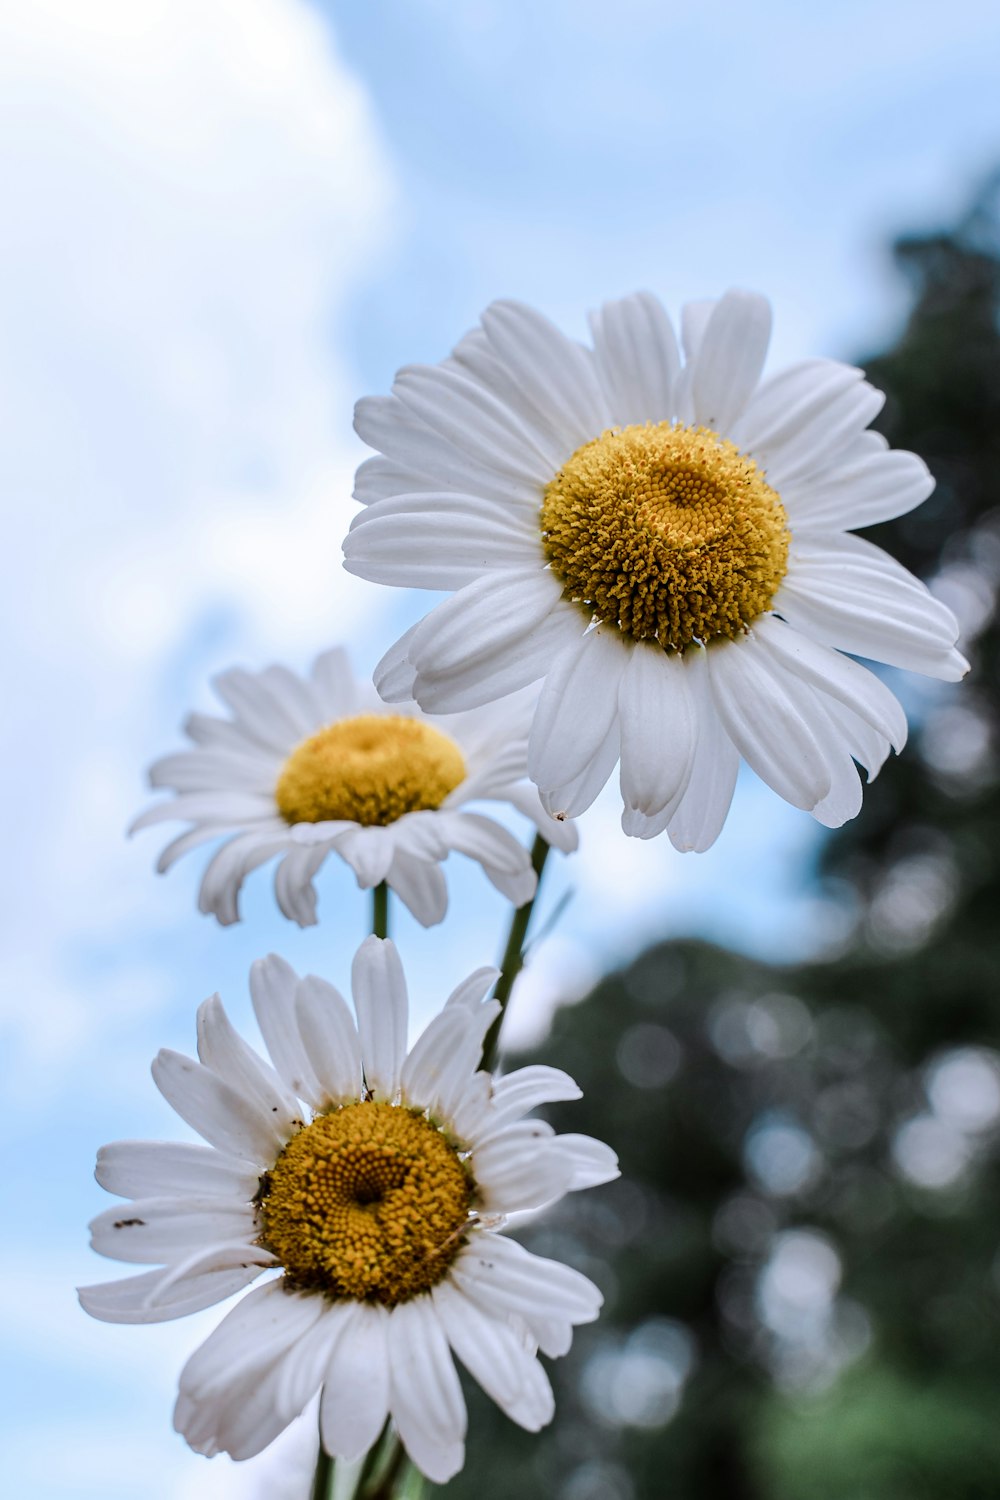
{"x": 225, "y": 788}
{"x": 193, "y": 1213}
{"x": 453, "y": 499}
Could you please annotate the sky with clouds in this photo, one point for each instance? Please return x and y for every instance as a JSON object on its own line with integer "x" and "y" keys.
{"x": 224, "y": 221}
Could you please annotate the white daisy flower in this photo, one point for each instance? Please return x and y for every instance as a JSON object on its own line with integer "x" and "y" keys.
{"x": 304, "y": 768}
{"x": 666, "y": 545}
{"x": 379, "y": 1206}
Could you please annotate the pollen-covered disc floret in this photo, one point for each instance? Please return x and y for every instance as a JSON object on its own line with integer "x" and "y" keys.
{"x": 372, "y": 769}
{"x": 365, "y": 1187}
{"x": 370, "y": 1201}
{"x": 307, "y": 767}
{"x": 663, "y": 539}
{"x": 666, "y": 531}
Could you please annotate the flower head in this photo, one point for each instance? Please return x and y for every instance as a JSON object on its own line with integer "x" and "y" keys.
{"x": 304, "y": 768}
{"x": 369, "y": 1185}
{"x": 666, "y": 544}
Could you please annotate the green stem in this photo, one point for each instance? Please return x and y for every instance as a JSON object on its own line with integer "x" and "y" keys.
{"x": 323, "y": 1478}
{"x": 381, "y": 1485}
{"x": 513, "y": 958}
{"x": 380, "y": 910}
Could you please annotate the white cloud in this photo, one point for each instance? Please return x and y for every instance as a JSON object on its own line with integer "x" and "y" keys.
{"x": 191, "y": 193}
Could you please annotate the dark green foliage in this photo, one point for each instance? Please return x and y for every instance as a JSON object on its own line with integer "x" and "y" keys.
{"x": 749, "y": 1102}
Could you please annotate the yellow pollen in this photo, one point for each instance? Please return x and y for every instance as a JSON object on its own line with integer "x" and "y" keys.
{"x": 370, "y": 769}
{"x": 369, "y": 1201}
{"x": 669, "y": 532}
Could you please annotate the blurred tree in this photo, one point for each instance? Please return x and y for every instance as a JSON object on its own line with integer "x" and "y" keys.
{"x": 800, "y": 1261}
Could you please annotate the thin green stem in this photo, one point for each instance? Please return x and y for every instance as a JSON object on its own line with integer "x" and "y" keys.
{"x": 513, "y": 958}
{"x": 323, "y": 1478}
{"x": 380, "y": 910}
{"x": 379, "y": 1482}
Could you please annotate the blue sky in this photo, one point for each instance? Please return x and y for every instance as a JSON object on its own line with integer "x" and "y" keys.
{"x": 226, "y": 219}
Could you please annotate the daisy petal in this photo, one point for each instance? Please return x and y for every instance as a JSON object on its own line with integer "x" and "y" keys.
{"x": 701, "y": 814}
{"x": 420, "y": 885}
{"x": 577, "y": 708}
{"x": 137, "y": 1169}
{"x": 156, "y": 1231}
{"x": 658, "y": 730}
{"x": 355, "y": 1399}
{"x": 273, "y": 987}
{"x": 221, "y": 1048}
{"x": 557, "y": 376}
{"x": 765, "y": 723}
{"x": 380, "y": 999}
{"x": 637, "y": 359}
{"x": 730, "y": 357}
{"x": 495, "y": 1356}
{"x": 133, "y": 1299}
{"x": 426, "y": 1398}
{"x": 330, "y": 1039}
{"x": 216, "y": 1110}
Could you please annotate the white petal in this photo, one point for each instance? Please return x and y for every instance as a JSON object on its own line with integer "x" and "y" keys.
{"x": 730, "y": 357}
{"x": 637, "y": 359}
{"x": 518, "y": 1093}
{"x": 576, "y": 795}
{"x": 185, "y": 842}
{"x": 355, "y": 1399}
{"x": 577, "y": 708}
{"x": 273, "y": 987}
{"x": 330, "y": 1039}
{"x": 853, "y": 596}
{"x": 762, "y": 717}
{"x": 485, "y": 620}
{"x": 141, "y": 1169}
{"x": 516, "y": 1170}
{"x": 475, "y": 421}
{"x": 158, "y": 1231}
{"x": 658, "y": 730}
{"x": 384, "y": 422}
{"x": 439, "y": 546}
{"x": 220, "y": 808}
{"x": 502, "y": 1276}
{"x": 561, "y": 834}
{"x": 836, "y": 676}
{"x": 216, "y": 1110}
{"x": 495, "y": 1356}
{"x": 805, "y": 418}
{"x": 420, "y": 885}
{"x": 592, "y": 1161}
{"x": 556, "y": 375}
{"x": 870, "y": 488}
{"x": 380, "y": 999}
{"x": 129, "y": 1300}
{"x": 369, "y": 852}
{"x": 699, "y": 819}
{"x": 425, "y": 1396}
{"x": 473, "y": 991}
{"x": 503, "y": 857}
{"x": 229, "y": 866}
{"x": 221, "y": 1048}
{"x": 334, "y": 685}
{"x": 226, "y": 1398}
{"x": 293, "y": 887}
{"x": 259, "y": 703}
{"x": 695, "y": 318}
{"x": 507, "y": 669}
{"x": 395, "y": 674}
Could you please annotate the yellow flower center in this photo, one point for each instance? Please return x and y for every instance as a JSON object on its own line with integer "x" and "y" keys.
{"x": 370, "y": 769}
{"x": 669, "y": 532}
{"x": 369, "y": 1201}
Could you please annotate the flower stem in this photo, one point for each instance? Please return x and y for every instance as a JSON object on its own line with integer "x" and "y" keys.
{"x": 513, "y": 958}
{"x": 323, "y": 1478}
{"x": 378, "y": 1481}
{"x": 380, "y": 910}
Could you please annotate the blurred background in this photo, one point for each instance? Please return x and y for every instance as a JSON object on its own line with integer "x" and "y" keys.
{"x": 224, "y": 220}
